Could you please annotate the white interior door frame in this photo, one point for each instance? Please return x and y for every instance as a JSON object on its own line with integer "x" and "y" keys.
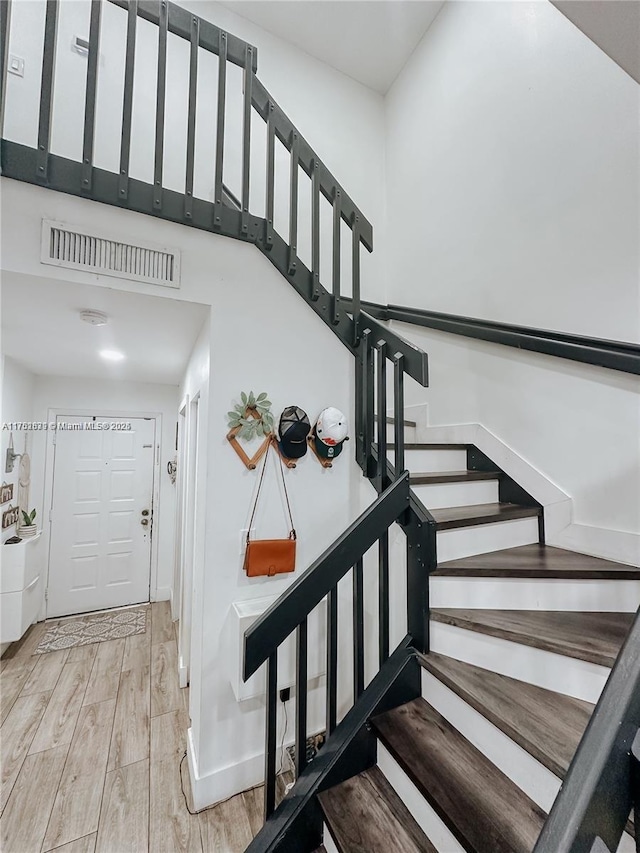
{"x": 47, "y": 502}
{"x": 188, "y": 534}
{"x": 178, "y": 569}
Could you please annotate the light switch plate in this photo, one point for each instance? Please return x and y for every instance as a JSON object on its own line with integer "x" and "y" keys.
{"x": 16, "y": 65}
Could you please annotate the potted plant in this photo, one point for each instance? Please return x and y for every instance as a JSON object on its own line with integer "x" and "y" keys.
{"x": 27, "y": 527}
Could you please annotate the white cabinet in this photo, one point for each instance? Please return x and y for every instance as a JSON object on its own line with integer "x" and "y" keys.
{"x": 21, "y": 571}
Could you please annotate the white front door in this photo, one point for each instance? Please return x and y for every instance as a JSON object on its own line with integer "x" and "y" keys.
{"x": 100, "y": 553}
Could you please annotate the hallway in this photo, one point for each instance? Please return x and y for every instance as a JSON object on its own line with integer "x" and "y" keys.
{"x": 91, "y": 744}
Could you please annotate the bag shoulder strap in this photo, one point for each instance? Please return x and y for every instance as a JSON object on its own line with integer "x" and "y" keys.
{"x": 292, "y": 534}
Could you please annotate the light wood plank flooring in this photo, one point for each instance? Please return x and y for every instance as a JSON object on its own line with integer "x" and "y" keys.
{"x": 91, "y": 743}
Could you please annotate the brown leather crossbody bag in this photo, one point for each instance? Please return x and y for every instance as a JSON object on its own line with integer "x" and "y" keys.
{"x": 270, "y": 556}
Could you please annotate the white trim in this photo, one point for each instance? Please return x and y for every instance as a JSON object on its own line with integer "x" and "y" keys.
{"x": 52, "y": 415}
{"x": 162, "y": 593}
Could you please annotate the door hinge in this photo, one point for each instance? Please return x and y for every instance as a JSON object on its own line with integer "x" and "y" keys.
{"x": 50, "y": 515}
{"x": 46, "y": 594}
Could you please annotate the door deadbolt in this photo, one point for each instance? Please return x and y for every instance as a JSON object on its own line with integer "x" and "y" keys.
{"x": 145, "y": 512}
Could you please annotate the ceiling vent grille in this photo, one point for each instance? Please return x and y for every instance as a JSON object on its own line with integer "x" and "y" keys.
{"x": 73, "y": 248}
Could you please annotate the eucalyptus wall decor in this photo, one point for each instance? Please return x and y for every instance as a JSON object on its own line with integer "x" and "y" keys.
{"x": 251, "y": 418}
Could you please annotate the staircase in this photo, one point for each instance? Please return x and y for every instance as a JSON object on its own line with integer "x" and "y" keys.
{"x": 475, "y": 762}
{"x": 491, "y": 648}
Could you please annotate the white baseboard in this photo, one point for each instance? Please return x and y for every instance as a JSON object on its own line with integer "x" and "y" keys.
{"x": 183, "y": 672}
{"x": 615, "y": 545}
{"x": 225, "y": 782}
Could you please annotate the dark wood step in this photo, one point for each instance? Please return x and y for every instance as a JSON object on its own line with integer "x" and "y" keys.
{"x": 546, "y": 724}
{"x": 452, "y": 477}
{"x": 481, "y": 806}
{"x": 431, "y": 446}
{"x": 594, "y": 637}
{"x": 537, "y": 561}
{"x": 365, "y": 815}
{"x": 405, "y": 422}
{"x": 449, "y": 518}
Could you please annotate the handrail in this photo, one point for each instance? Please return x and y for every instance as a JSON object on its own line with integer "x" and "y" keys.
{"x": 597, "y": 794}
{"x": 274, "y": 626}
{"x": 614, "y": 355}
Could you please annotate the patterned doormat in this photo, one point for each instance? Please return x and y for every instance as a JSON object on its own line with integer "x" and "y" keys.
{"x": 94, "y": 628}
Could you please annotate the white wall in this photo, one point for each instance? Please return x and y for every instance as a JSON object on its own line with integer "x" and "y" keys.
{"x": 342, "y": 120}
{"x": 512, "y": 173}
{"x": 18, "y": 386}
{"x": 262, "y": 337}
{"x": 90, "y": 396}
{"x": 512, "y": 179}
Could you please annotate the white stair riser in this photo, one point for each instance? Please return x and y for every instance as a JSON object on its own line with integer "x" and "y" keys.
{"x": 437, "y": 495}
{"x": 409, "y": 434}
{"x": 429, "y": 822}
{"x": 567, "y": 675}
{"x": 327, "y": 840}
{"x": 466, "y": 541}
{"x": 611, "y": 596}
{"x": 423, "y": 461}
{"x": 537, "y": 781}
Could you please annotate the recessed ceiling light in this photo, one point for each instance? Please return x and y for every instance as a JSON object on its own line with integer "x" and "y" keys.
{"x": 112, "y": 355}
{"x": 94, "y": 318}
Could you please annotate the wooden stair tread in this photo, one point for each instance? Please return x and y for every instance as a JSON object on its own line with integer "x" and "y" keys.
{"x": 405, "y": 422}
{"x": 366, "y": 815}
{"x": 537, "y": 561}
{"x": 452, "y": 477}
{"x": 546, "y": 724}
{"x": 430, "y": 446}
{"x": 452, "y": 517}
{"x": 594, "y": 637}
{"x": 481, "y": 806}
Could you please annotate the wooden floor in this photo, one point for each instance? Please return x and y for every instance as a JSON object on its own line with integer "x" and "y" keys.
{"x": 91, "y": 743}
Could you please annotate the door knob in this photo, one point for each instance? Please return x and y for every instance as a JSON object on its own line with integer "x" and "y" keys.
{"x": 144, "y": 522}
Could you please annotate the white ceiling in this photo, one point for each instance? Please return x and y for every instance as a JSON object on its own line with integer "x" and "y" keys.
{"x": 42, "y": 330}
{"x": 369, "y": 41}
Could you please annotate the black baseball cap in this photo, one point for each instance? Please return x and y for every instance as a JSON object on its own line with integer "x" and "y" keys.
{"x": 293, "y": 429}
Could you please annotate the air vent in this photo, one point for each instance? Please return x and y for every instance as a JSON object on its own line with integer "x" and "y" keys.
{"x": 73, "y": 248}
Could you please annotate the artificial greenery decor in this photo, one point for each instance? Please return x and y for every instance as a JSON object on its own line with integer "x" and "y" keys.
{"x": 28, "y": 518}
{"x": 252, "y": 415}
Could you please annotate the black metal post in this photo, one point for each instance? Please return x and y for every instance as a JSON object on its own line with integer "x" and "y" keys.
{"x": 332, "y": 659}
{"x": 315, "y": 231}
{"x": 270, "y": 737}
{"x": 46, "y": 89}
{"x": 293, "y": 206}
{"x": 301, "y": 698}
{"x": 337, "y": 218}
{"x": 398, "y": 412}
{"x": 127, "y": 103}
{"x": 90, "y": 96}
{"x": 383, "y": 597}
{"x": 191, "y": 116}
{"x": 271, "y": 154}
{"x": 158, "y": 162}
{"x": 421, "y": 551}
{"x": 369, "y": 403}
{"x": 222, "y": 87}
{"x": 381, "y": 404}
{"x": 358, "y": 630}
{"x": 246, "y": 139}
{"x": 355, "y": 277}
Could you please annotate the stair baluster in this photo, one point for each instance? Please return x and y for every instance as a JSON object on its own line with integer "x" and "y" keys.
{"x": 90, "y": 97}
{"x": 46, "y": 90}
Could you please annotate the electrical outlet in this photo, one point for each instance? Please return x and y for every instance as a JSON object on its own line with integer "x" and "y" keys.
{"x": 285, "y": 694}
{"x": 243, "y": 539}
